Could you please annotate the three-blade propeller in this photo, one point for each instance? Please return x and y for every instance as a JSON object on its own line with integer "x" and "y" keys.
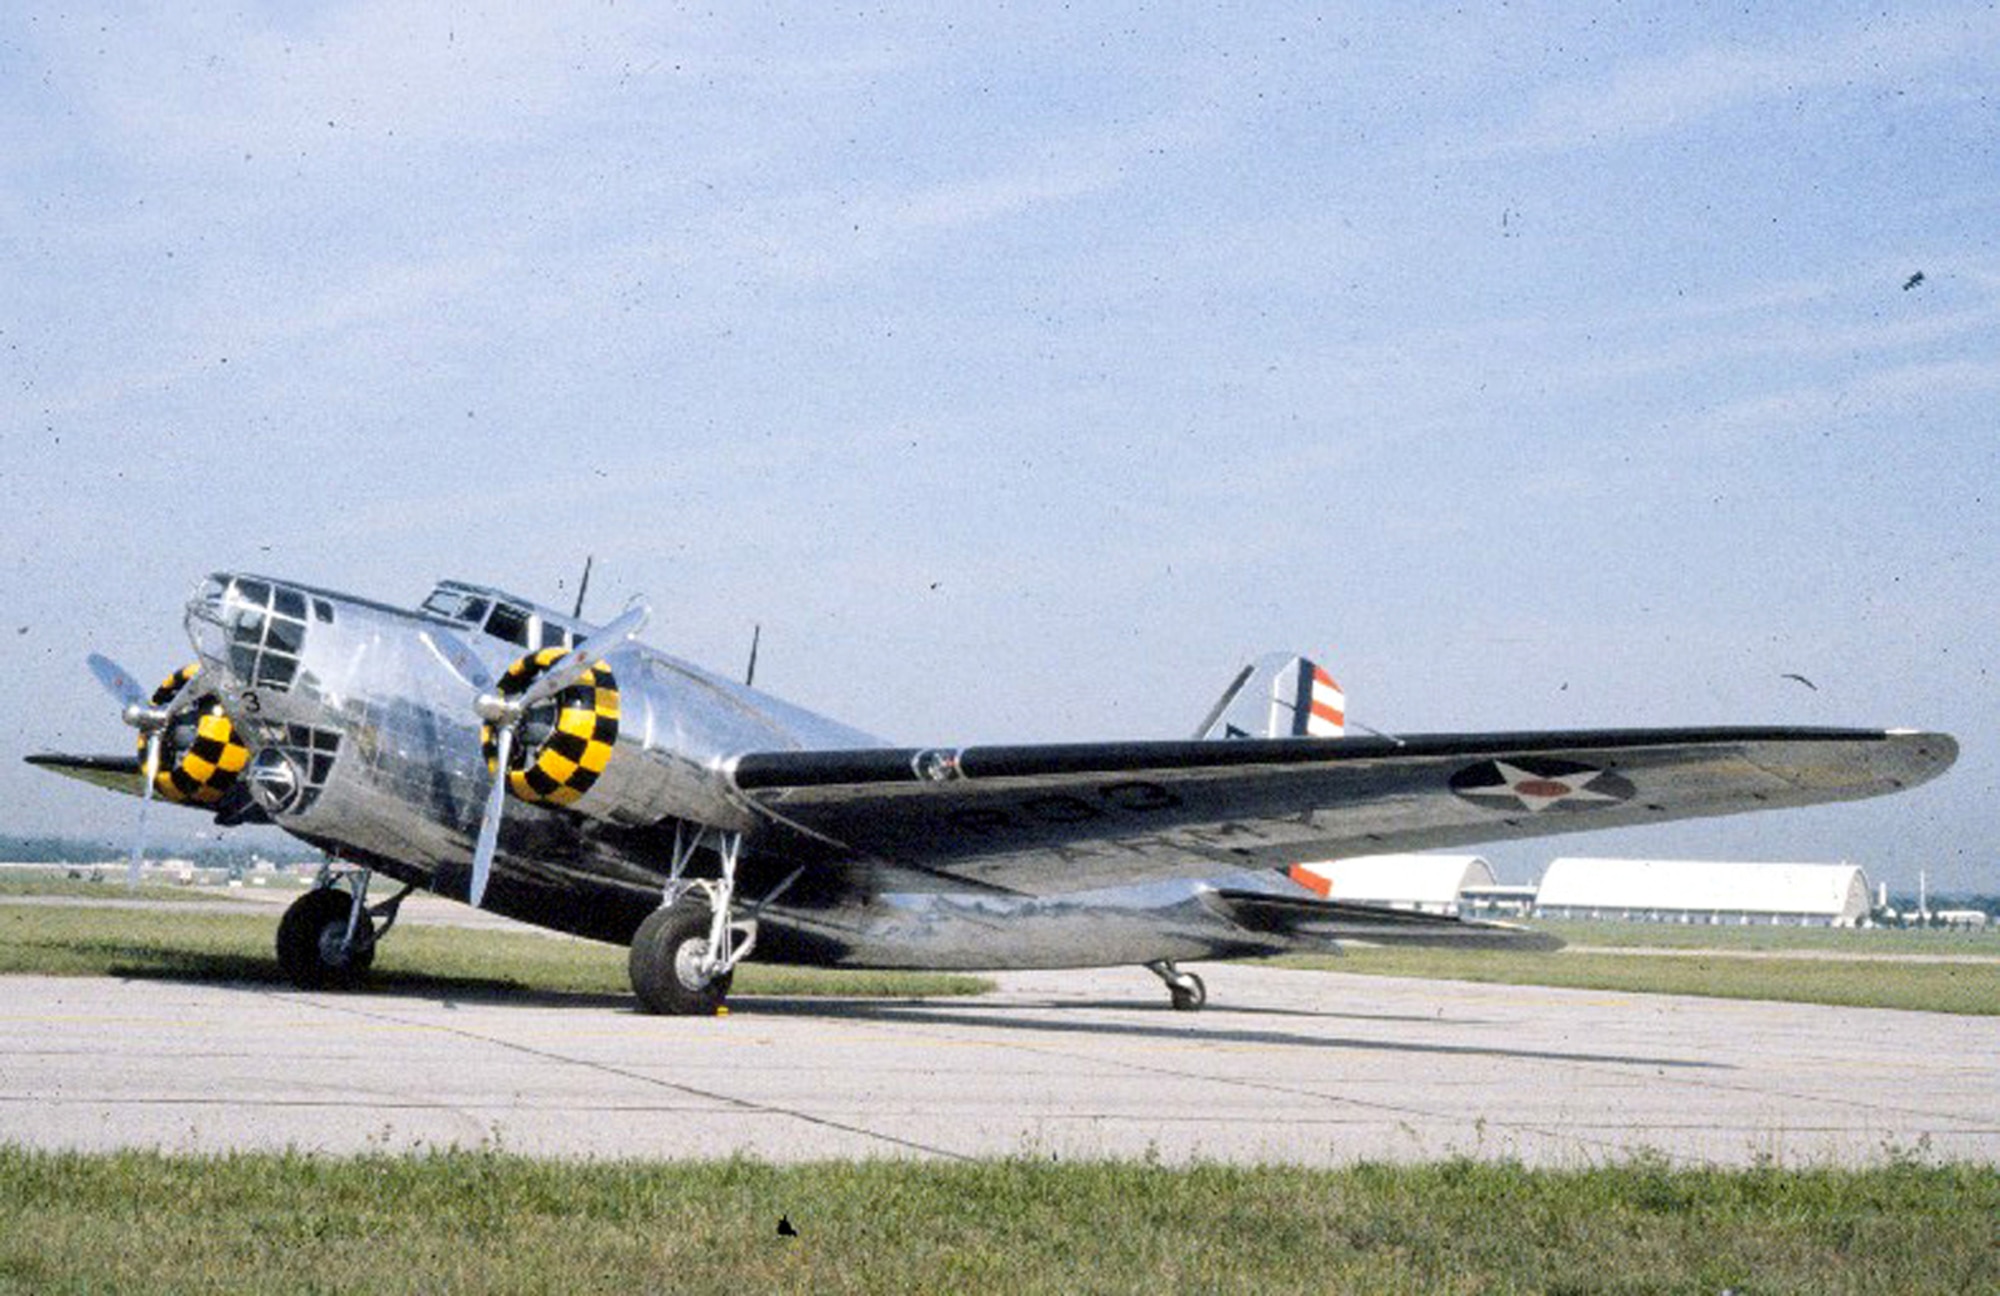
{"x": 505, "y": 712}
{"x": 152, "y": 721}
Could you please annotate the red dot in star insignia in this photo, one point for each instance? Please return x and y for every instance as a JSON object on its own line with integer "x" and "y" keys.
{"x": 1542, "y": 788}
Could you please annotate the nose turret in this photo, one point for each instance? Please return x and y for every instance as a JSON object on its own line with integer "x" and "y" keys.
{"x": 253, "y": 629}
{"x": 252, "y": 634}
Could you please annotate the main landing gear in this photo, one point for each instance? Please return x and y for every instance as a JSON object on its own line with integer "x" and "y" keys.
{"x": 326, "y": 940}
{"x": 684, "y": 955}
{"x": 1184, "y": 988}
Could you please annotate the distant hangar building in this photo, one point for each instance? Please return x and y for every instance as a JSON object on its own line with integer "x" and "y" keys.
{"x": 1426, "y": 883}
{"x": 1703, "y": 891}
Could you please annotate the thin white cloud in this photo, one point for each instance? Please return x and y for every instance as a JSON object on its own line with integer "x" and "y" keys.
{"x": 1652, "y": 96}
{"x": 1889, "y": 390}
{"x": 824, "y": 234}
{"x": 198, "y": 82}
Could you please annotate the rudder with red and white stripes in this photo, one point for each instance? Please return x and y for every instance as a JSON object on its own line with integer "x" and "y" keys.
{"x": 1280, "y": 695}
{"x": 1306, "y": 703}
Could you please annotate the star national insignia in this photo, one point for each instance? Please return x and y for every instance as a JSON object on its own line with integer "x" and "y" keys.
{"x": 1537, "y": 784}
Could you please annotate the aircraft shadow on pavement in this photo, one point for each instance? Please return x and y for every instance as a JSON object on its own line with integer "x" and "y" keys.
{"x": 262, "y": 974}
{"x": 973, "y": 1004}
{"x": 1214, "y": 1025}
{"x": 1207, "y": 1027}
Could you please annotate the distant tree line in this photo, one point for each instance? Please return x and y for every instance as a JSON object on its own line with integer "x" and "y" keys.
{"x": 16, "y": 849}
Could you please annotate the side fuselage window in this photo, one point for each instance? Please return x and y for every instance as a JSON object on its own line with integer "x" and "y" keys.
{"x": 509, "y": 623}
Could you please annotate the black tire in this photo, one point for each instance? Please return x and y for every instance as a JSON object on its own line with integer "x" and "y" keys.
{"x": 663, "y": 954}
{"x": 310, "y": 936}
{"x": 1190, "y": 994}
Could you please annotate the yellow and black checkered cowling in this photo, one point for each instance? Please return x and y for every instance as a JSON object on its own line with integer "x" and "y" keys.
{"x": 199, "y": 754}
{"x": 558, "y": 769}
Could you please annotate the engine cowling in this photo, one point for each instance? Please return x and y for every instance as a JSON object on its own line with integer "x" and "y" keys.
{"x": 565, "y": 742}
{"x": 200, "y": 754}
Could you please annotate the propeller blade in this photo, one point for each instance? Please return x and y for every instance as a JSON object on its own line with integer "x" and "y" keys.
{"x": 145, "y": 804}
{"x": 571, "y": 665}
{"x": 489, "y": 823}
{"x": 117, "y": 681}
{"x": 182, "y": 699}
{"x": 451, "y": 650}
{"x": 140, "y": 712}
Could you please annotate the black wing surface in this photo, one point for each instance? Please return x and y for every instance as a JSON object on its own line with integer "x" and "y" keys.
{"x": 119, "y": 773}
{"x": 1072, "y": 817}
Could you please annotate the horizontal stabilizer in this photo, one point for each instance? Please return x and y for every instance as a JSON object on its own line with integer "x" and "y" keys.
{"x": 1338, "y": 920}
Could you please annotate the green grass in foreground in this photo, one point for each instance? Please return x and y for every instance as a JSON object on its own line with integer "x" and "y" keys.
{"x": 1968, "y": 988}
{"x": 83, "y": 941}
{"x": 483, "y": 1221}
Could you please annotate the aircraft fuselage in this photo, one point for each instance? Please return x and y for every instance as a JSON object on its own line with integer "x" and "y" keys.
{"x": 366, "y": 744}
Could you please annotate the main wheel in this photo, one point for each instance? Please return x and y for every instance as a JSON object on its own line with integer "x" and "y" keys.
{"x": 666, "y": 962}
{"x": 312, "y": 942}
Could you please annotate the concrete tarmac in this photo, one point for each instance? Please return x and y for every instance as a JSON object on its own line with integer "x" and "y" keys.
{"x": 1283, "y": 1066}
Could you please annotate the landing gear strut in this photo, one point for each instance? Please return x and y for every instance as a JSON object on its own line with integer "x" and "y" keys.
{"x": 684, "y": 955}
{"x": 326, "y": 940}
{"x": 1184, "y": 988}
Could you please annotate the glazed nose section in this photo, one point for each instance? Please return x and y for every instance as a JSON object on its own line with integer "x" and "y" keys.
{"x": 253, "y": 629}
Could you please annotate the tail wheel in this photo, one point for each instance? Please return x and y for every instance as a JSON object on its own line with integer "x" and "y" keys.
{"x": 200, "y": 755}
{"x": 666, "y": 962}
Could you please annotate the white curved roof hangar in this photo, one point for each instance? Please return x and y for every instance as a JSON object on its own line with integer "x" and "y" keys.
{"x": 1835, "y": 891}
{"x": 1430, "y": 882}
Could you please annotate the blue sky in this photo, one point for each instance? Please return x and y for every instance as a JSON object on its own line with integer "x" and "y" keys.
{"x": 1023, "y": 373}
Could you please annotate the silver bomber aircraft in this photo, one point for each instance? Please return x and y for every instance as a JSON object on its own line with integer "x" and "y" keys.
{"x": 494, "y": 751}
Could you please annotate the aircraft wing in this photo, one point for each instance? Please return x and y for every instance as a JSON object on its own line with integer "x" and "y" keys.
{"x": 1051, "y": 819}
{"x": 119, "y": 773}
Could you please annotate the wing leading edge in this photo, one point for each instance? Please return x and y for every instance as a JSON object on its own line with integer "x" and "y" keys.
{"x": 119, "y": 773}
{"x": 1071, "y": 817}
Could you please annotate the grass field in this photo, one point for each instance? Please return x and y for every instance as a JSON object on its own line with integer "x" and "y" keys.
{"x": 1767, "y": 938}
{"x": 1972, "y": 989}
{"x": 484, "y": 1221}
{"x": 95, "y": 884}
{"x": 86, "y": 941}
{"x": 1866, "y": 968}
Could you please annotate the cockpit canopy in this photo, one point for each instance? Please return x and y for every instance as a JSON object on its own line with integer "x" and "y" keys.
{"x": 263, "y": 624}
{"x": 500, "y": 614}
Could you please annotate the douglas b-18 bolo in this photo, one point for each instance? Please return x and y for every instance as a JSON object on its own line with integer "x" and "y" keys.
{"x": 494, "y": 751}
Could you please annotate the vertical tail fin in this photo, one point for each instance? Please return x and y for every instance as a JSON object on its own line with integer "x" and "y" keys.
{"x": 1281, "y": 695}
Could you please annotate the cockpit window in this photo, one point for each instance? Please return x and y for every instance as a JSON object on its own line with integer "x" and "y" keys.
{"x": 267, "y": 632}
{"x": 456, "y": 605}
{"x": 509, "y": 623}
